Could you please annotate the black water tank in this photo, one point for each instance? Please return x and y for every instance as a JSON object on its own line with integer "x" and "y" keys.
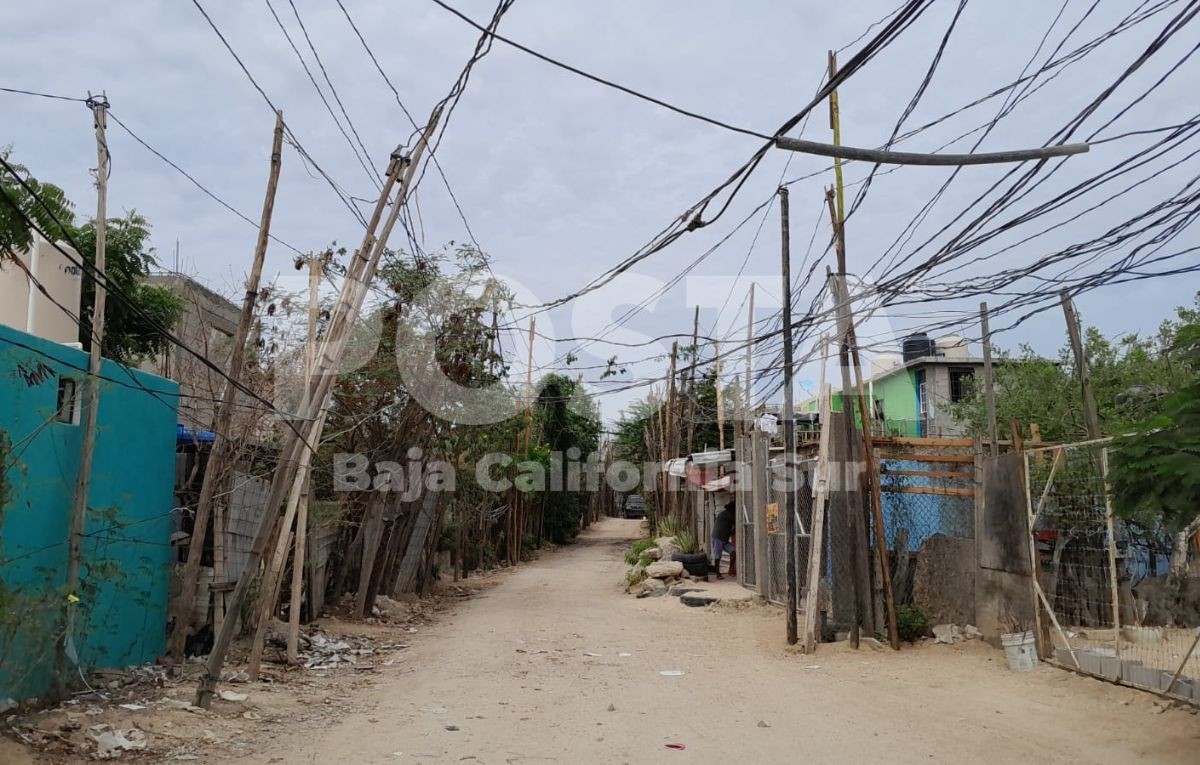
{"x": 917, "y": 346}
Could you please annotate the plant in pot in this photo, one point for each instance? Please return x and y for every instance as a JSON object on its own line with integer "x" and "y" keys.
{"x": 694, "y": 562}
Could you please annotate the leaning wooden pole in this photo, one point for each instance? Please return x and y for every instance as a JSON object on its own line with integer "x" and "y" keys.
{"x": 316, "y": 266}
{"x": 357, "y": 283}
{"x": 868, "y": 450}
{"x": 215, "y": 471}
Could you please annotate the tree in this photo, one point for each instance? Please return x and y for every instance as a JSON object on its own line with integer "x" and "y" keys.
{"x": 1155, "y": 469}
{"x": 135, "y": 319}
{"x": 43, "y": 203}
{"x": 1131, "y": 378}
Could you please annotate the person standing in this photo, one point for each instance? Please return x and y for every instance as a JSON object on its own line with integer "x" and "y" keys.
{"x": 722, "y": 537}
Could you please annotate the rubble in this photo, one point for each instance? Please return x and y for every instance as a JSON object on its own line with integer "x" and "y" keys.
{"x": 949, "y": 634}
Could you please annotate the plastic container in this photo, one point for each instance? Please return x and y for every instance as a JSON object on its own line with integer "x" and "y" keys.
{"x": 1021, "y": 651}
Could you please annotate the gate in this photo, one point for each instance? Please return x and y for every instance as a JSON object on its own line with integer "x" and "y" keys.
{"x": 1101, "y": 585}
{"x": 775, "y": 580}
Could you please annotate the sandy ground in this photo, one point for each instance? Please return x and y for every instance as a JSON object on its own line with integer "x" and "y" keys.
{"x": 512, "y": 672}
{"x": 557, "y": 664}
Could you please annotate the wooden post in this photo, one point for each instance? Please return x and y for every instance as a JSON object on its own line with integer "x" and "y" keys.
{"x": 749, "y": 402}
{"x": 812, "y": 601}
{"x": 691, "y": 522}
{"x": 789, "y": 425}
{"x": 1112, "y": 554}
{"x": 528, "y": 428}
{"x": 720, "y": 394}
{"x": 989, "y": 392}
{"x": 91, "y": 397}
{"x": 315, "y": 267}
{"x": 1090, "y": 416}
{"x": 214, "y": 473}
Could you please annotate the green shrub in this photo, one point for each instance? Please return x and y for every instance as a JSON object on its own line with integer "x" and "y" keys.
{"x": 636, "y": 549}
{"x": 911, "y": 623}
{"x": 687, "y": 542}
{"x": 669, "y": 527}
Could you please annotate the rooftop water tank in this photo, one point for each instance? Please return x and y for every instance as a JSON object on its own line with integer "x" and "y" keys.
{"x": 952, "y": 347}
{"x": 882, "y": 363}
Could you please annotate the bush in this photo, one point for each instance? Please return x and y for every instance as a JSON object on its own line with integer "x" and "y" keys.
{"x": 668, "y": 527}
{"x": 911, "y": 623}
{"x": 635, "y": 551}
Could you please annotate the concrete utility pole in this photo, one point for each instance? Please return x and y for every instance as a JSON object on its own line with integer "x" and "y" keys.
{"x": 214, "y": 473}
{"x": 720, "y": 396}
{"x": 91, "y": 393}
{"x": 789, "y": 425}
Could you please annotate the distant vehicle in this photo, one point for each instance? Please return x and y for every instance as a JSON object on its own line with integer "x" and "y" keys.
{"x": 633, "y": 507}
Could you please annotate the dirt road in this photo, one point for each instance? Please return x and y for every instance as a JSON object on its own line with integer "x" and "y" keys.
{"x": 534, "y": 670}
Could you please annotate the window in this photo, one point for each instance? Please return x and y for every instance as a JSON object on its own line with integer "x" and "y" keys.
{"x": 68, "y": 401}
{"x": 879, "y": 409}
{"x": 961, "y": 379}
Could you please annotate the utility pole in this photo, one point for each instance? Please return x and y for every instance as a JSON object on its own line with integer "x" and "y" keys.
{"x": 528, "y": 424}
{"x": 850, "y": 348}
{"x": 215, "y": 471}
{"x": 989, "y": 391}
{"x": 316, "y": 266}
{"x": 690, "y": 497}
{"x": 720, "y": 397}
{"x": 91, "y": 392}
{"x": 789, "y": 425}
{"x": 672, "y": 429}
{"x": 1090, "y": 416}
{"x": 309, "y": 423}
{"x": 748, "y": 425}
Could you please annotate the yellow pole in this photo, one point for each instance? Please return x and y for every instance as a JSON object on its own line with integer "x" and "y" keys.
{"x": 835, "y": 124}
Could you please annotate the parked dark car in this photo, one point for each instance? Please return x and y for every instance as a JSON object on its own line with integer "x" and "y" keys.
{"x": 633, "y": 507}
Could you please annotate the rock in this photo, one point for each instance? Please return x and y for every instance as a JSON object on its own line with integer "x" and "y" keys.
{"x": 666, "y": 547}
{"x": 947, "y": 633}
{"x": 872, "y": 643}
{"x": 612, "y": 707}
{"x": 764, "y": 724}
{"x": 664, "y": 569}
{"x": 653, "y": 553}
{"x": 971, "y": 632}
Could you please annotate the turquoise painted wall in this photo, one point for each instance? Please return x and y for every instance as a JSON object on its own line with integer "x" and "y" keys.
{"x": 126, "y": 553}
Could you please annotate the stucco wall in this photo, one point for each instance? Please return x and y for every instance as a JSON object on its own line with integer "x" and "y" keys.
{"x": 126, "y": 551}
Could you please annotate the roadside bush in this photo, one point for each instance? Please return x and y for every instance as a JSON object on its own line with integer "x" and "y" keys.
{"x": 636, "y": 549}
{"x": 911, "y": 623}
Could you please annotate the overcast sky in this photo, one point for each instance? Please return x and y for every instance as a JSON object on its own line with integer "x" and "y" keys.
{"x": 560, "y": 178}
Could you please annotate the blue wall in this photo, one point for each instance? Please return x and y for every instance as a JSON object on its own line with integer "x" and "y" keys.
{"x": 126, "y": 553}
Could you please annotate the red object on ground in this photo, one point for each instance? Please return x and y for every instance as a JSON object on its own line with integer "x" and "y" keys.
{"x": 677, "y": 746}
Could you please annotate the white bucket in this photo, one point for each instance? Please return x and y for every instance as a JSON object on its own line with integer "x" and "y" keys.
{"x": 1021, "y": 651}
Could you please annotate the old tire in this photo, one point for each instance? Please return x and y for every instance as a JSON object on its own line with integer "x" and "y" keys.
{"x": 695, "y": 564}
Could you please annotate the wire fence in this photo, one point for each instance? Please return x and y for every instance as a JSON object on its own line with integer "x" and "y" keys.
{"x": 775, "y": 579}
{"x": 1105, "y": 585}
